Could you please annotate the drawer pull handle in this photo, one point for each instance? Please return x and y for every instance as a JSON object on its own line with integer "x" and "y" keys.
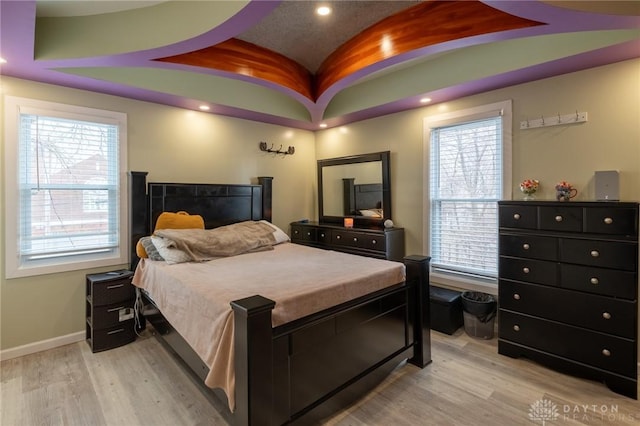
{"x": 120, "y": 330}
{"x": 606, "y": 352}
{"x": 110, "y": 287}
{"x": 558, "y": 218}
{"x": 338, "y": 237}
{"x": 608, "y": 220}
{"x": 115, "y": 309}
{"x": 595, "y": 253}
{"x": 526, "y": 270}
{"x": 516, "y": 327}
{"x": 595, "y": 281}
{"x": 516, "y": 216}
{"x": 322, "y": 235}
{"x": 309, "y": 234}
{"x": 355, "y": 240}
{"x": 373, "y": 241}
{"x": 525, "y": 246}
{"x": 296, "y": 232}
{"x": 516, "y": 296}
{"x": 606, "y": 315}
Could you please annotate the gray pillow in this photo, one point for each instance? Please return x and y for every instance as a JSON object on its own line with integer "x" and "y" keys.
{"x": 152, "y": 251}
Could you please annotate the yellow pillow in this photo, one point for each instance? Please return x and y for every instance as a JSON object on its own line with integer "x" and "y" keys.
{"x": 169, "y": 220}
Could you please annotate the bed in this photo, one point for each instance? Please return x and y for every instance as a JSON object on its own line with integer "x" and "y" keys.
{"x": 286, "y": 368}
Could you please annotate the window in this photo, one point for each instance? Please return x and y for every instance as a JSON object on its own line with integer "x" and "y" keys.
{"x": 468, "y": 172}
{"x": 66, "y": 191}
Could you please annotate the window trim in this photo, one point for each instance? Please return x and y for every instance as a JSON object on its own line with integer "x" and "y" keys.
{"x": 13, "y": 106}
{"x": 504, "y": 108}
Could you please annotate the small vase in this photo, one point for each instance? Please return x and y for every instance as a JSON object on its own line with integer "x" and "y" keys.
{"x": 566, "y": 194}
{"x": 529, "y": 197}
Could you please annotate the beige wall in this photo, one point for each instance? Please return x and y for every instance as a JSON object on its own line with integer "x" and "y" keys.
{"x": 178, "y": 145}
{"x": 172, "y": 144}
{"x": 610, "y": 140}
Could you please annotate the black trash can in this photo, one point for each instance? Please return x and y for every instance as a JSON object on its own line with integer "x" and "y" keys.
{"x": 479, "y": 312}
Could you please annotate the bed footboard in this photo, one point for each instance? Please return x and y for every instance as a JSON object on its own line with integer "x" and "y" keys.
{"x": 283, "y": 373}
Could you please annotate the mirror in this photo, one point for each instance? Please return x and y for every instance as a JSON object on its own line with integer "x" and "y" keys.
{"x": 356, "y": 186}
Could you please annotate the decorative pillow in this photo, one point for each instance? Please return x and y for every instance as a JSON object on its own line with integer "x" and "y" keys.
{"x": 278, "y": 234}
{"x": 170, "y": 220}
{"x": 169, "y": 252}
{"x": 179, "y": 220}
{"x": 150, "y": 250}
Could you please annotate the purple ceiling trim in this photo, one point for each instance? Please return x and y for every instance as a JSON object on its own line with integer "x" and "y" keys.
{"x": 618, "y": 53}
{"x": 573, "y": 19}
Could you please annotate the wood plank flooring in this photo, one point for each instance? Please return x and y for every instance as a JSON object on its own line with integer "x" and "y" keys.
{"x": 468, "y": 383}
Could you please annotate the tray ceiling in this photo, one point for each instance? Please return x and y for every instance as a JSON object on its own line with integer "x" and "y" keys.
{"x": 279, "y": 62}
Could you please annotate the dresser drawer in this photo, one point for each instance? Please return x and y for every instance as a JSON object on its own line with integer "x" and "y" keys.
{"x": 303, "y": 233}
{"x": 604, "y": 254}
{"x": 521, "y": 217}
{"x": 619, "y": 221}
{"x": 529, "y": 270}
{"x": 597, "y": 349}
{"x": 557, "y": 218}
{"x": 605, "y": 314}
{"x": 608, "y": 282}
{"x": 529, "y": 246}
{"x": 358, "y": 239}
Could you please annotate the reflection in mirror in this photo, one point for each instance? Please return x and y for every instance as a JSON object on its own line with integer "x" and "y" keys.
{"x": 357, "y": 186}
{"x": 353, "y": 189}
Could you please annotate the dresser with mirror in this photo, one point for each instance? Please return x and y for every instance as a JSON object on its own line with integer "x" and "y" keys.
{"x": 354, "y": 201}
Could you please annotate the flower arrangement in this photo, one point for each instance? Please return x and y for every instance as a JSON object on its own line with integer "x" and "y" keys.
{"x": 529, "y": 186}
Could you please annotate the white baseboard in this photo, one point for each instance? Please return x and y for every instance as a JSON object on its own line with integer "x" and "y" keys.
{"x": 42, "y": 345}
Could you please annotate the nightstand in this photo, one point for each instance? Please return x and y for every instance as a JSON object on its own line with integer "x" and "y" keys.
{"x": 110, "y": 300}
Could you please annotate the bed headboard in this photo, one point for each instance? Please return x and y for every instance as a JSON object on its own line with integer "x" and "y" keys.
{"x": 218, "y": 204}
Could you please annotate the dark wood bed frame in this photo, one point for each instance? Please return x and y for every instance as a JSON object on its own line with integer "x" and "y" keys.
{"x": 287, "y": 373}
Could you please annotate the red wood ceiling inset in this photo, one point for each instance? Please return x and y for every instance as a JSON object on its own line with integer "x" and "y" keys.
{"x": 426, "y": 24}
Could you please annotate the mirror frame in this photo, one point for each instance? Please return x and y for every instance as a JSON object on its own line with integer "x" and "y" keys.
{"x": 360, "y": 221}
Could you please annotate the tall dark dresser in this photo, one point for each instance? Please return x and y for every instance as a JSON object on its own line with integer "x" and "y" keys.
{"x": 568, "y": 288}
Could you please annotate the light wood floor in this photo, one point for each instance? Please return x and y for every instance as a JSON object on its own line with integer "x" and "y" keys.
{"x": 468, "y": 383}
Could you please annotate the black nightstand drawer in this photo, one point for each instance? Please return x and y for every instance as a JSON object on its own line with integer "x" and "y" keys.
{"x": 529, "y": 270}
{"x": 109, "y": 315}
{"x": 110, "y": 287}
{"x": 602, "y": 220}
{"x": 598, "y": 349}
{"x": 608, "y": 282}
{"x": 517, "y": 216}
{"x": 556, "y": 218}
{"x": 604, "y": 254}
{"x": 529, "y": 246}
{"x": 112, "y": 337}
{"x": 605, "y": 314}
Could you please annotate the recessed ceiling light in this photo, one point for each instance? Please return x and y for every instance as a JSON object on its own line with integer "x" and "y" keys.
{"x": 204, "y": 107}
{"x": 425, "y": 100}
{"x": 323, "y": 10}
{"x": 323, "y": 125}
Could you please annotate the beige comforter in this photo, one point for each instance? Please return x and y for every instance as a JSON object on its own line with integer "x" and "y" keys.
{"x": 195, "y": 297}
{"x": 229, "y": 240}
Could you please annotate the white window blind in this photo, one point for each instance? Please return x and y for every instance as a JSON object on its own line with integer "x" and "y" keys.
{"x": 465, "y": 185}
{"x": 70, "y": 198}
